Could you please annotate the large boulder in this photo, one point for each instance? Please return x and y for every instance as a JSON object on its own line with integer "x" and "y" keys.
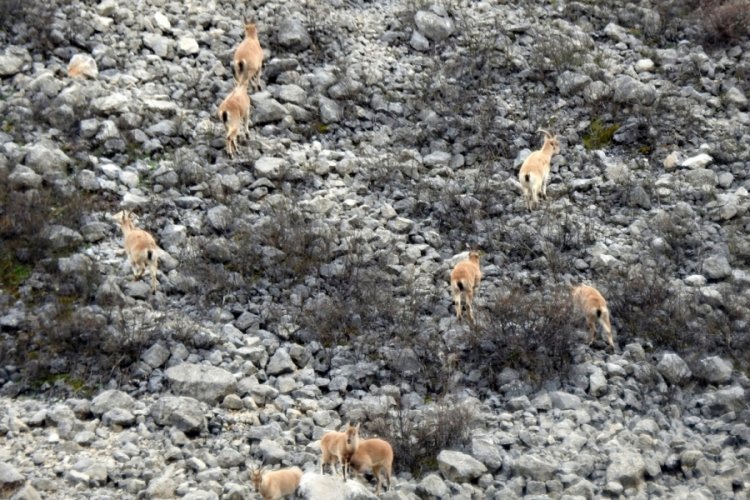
{"x": 202, "y": 382}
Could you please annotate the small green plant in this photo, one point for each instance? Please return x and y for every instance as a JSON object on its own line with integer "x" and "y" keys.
{"x": 599, "y": 135}
{"x": 12, "y": 274}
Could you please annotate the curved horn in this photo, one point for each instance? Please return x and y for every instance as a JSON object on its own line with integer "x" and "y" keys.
{"x": 545, "y": 132}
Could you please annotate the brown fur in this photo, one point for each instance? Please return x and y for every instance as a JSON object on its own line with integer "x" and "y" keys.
{"x": 591, "y": 303}
{"x": 277, "y": 484}
{"x": 248, "y": 59}
{"x": 337, "y": 446}
{"x": 234, "y": 113}
{"x": 465, "y": 279}
{"x": 140, "y": 247}
{"x": 374, "y": 455}
{"x": 534, "y": 173}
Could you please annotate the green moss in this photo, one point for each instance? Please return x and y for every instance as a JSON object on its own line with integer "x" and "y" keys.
{"x": 320, "y": 128}
{"x": 12, "y": 274}
{"x": 600, "y": 135}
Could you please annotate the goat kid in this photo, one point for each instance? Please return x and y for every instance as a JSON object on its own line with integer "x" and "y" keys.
{"x": 234, "y": 113}
{"x": 248, "y": 58}
{"x": 374, "y": 455}
{"x": 534, "y": 173}
{"x": 591, "y": 303}
{"x": 277, "y": 484}
{"x": 337, "y": 447}
{"x": 140, "y": 247}
{"x": 465, "y": 278}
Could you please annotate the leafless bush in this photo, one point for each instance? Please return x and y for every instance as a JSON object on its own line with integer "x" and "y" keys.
{"x": 417, "y": 437}
{"x": 531, "y": 332}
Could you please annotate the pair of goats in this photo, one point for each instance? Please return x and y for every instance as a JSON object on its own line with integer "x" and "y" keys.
{"x": 466, "y": 275}
{"x": 363, "y": 455}
{"x": 234, "y": 111}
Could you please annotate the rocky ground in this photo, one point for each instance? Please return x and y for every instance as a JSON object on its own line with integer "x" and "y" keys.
{"x": 303, "y": 284}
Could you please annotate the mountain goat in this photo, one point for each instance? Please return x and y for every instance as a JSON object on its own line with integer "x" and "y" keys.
{"x": 337, "y": 447}
{"x": 465, "y": 278}
{"x": 277, "y": 484}
{"x": 248, "y": 58}
{"x": 140, "y": 247}
{"x": 234, "y": 113}
{"x": 374, "y": 455}
{"x": 534, "y": 173}
{"x": 591, "y": 303}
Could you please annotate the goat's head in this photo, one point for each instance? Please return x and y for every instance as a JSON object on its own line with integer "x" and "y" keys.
{"x": 551, "y": 140}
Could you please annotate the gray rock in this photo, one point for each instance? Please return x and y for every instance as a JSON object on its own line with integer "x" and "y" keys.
{"x": 187, "y": 45}
{"x": 111, "y": 104}
{"x": 716, "y": 267}
{"x": 266, "y": 109}
{"x": 715, "y": 370}
{"x": 564, "y": 401}
{"x": 487, "y": 452}
{"x": 118, "y": 417}
{"x": 202, "y": 382}
{"x": 220, "y": 217}
{"x": 316, "y": 486}
{"x": 185, "y": 414}
{"x": 293, "y": 93}
{"x": 24, "y": 177}
{"x": 419, "y": 42}
{"x": 433, "y": 486}
{"x": 597, "y": 382}
{"x": 271, "y": 451}
{"x": 433, "y": 26}
{"x": 293, "y": 35}
{"x": 111, "y": 399}
{"x": 155, "y": 356}
{"x": 673, "y": 368}
{"x": 459, "y": 467}
{"x": 272, "y": 168}
{"x": 10, "y": 65}
{"x": 570, "y": 83}
{"x": 628, "y": 90}
{"x": 281, "y": 362}
{"x": 27, "y": 492}
{"x": 46, "y": 159}
{"x": 161, "y": 45}
{"x": 437, "y": 159}
{"x": 718, "y": 403}
{"x": 61, "y": 237}
{"x": 229, "y": 457}
{"x": 534, "y": 467}
{"x": 330, "y": 111}
{"x": 627, "y": 468}
{"x": 10, "y": 478}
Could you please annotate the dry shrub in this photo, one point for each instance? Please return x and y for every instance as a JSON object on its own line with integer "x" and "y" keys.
{"x": 726, "y": 21}
{"x": 530, "y": 332}
{"x": 418, "y": 436}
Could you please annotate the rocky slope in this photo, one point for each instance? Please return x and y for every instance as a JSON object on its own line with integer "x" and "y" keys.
{"x": 304, "y": 283}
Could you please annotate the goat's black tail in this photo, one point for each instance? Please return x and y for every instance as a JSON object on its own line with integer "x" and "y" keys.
{"x": 528, "y": 177}
{"x": 150, "y": 255}
{"x": 460, "y": 285}
{"x": 598, "y": 313}
{"x": 224, "y": 116}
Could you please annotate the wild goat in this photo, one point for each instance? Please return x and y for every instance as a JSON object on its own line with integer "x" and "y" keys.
{"x": 373, "y": 455}
{"x": 590, "y": 302}
{"x": 337, "y": 446}
{"x": 234, "y": 113}
{"x": 465, "y": 278}
{"x": 277, "y": 484}
{"x": 534, "y": 173}
{"x": 140, "y": 247}
{"x": 248, "y": 58}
